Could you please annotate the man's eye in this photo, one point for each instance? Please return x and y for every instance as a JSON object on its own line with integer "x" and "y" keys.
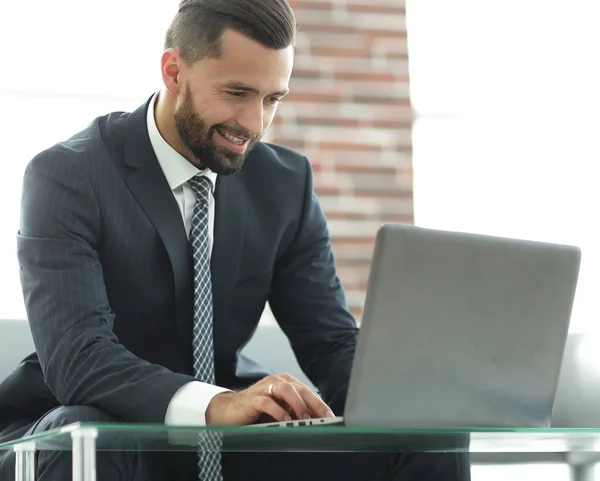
{"x": 237, "y": 94}
{"x": 274, "y": 100}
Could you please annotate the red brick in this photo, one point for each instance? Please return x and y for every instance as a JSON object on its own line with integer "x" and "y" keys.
{"x": 357, "y": 146}
{"x": 367, "y": 76}
{"x": 366, "y": 168}
{"x": 398, "y": 219}
{"x": 371, "y": 8}
{"x": 372, "y": 34}
{"x": 349, "y": 215}
{"x": 368, "y": 241}
{"x": 322, "y": 190}
{"x": 383, "y": 191}
{"x": 404, "y": 148}
{"x": 382, "y": 99}
{"x": 298, "y": 96}
{"x": 391, "y": 124}
{"x": 304, "y": 73}
{"x": 298, "y": 5}
{"x": 338, "y": 121}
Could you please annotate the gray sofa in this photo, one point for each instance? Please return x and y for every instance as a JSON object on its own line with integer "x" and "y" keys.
{"x": 15, "y": 344}
{"x": 577, "y": 401}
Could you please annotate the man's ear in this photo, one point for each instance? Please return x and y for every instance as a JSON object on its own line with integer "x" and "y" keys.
{"x": 170, "y": 64}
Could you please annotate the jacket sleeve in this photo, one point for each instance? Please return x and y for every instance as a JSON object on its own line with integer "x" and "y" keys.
{"x": 308, "y": 301}
{"x": 71, "y": 320}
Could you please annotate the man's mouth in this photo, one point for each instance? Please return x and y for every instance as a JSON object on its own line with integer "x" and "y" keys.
{"x": 232, "y": 138}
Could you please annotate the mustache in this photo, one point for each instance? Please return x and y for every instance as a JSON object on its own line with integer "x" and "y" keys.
{"x": 236, "y": 132}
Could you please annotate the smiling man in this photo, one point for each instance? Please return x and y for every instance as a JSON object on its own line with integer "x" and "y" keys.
{"x": 214, "y": 110}
{"x": 149, "y": 244}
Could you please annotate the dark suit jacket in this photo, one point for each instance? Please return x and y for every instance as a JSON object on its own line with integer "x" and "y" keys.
{"x": 107, "y": 277}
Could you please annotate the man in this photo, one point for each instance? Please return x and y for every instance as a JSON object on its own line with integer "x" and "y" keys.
{"x": 149, "y": 244}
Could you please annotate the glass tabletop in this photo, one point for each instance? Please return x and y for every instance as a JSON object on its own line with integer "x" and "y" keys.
{"x": 144, "y": 437}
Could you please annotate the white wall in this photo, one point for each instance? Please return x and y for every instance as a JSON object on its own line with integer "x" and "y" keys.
{"x": 507, "y": 98}
{"x": 66, "y": 62}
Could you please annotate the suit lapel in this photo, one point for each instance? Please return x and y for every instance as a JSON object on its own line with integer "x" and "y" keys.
{"x": 230, "y": 209}
{"x": 149, "y": 186}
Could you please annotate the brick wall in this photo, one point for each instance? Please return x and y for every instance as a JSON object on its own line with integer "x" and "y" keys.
{"x": 349, "y": 111}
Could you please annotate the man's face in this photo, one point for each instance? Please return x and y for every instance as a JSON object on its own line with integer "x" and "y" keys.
{"x": 229, "y": 102}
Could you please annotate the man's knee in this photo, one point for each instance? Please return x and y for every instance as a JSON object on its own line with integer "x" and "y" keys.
{"x": 64, "y": 415}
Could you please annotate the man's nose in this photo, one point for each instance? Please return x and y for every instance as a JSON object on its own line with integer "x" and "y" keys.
{"x": 252, "y": 118}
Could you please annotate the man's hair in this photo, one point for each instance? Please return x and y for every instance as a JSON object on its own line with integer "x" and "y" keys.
{"x": 196, "y": 30}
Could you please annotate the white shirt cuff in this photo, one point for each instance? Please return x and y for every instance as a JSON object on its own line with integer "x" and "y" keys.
{"x": 188, "y": 405}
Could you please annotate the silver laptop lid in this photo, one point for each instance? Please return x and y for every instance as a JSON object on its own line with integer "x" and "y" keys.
{"x": 461, "y": 330}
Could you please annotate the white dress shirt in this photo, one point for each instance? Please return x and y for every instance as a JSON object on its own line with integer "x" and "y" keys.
{"x": 188, "y": 405}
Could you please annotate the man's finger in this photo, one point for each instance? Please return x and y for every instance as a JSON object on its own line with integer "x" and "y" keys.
{"x": 293, "y": 380}
{"x": 314, "y": 402}
{"x": 286, "y": 392}
{"x": 267, "y": 405}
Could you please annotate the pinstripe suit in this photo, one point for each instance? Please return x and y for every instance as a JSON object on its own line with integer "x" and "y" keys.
{"x": 107, "y": 279}
{"x": 107, "y": 276}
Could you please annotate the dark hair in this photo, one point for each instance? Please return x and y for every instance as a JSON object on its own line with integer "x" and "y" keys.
{"x": 196, "y": 30}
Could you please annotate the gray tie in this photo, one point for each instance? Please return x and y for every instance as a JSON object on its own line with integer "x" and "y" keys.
{"x": 204, "y": 369}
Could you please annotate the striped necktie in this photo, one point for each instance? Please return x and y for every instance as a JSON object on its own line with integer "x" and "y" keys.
{"x": 204, "y": 369}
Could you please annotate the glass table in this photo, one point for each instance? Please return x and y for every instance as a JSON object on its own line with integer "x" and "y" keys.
{"x": 85, "y": 439}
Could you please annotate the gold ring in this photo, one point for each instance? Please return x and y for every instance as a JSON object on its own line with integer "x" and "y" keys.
{"x": 270, "y": 390}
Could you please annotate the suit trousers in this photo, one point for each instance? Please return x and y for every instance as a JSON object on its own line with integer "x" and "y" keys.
{"x": 152, "y": 466}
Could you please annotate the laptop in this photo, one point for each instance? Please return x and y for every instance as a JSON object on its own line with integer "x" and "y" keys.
{"x": 459, "y": 330}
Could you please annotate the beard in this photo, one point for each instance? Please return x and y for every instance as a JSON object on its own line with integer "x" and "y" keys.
{"x": 197, "y": 137}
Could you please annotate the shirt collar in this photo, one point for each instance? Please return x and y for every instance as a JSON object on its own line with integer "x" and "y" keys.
{"x": 176, "y": 168}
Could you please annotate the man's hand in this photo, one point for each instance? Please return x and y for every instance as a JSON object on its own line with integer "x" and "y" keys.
{"x": 280, "y": 398}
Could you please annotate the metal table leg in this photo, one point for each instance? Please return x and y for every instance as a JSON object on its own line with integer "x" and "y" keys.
{"x": 84, "y": 454}
{"x": 25, "y": 461}
{"x": 583, "y": 465}
{"x": 583, "y": 473}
